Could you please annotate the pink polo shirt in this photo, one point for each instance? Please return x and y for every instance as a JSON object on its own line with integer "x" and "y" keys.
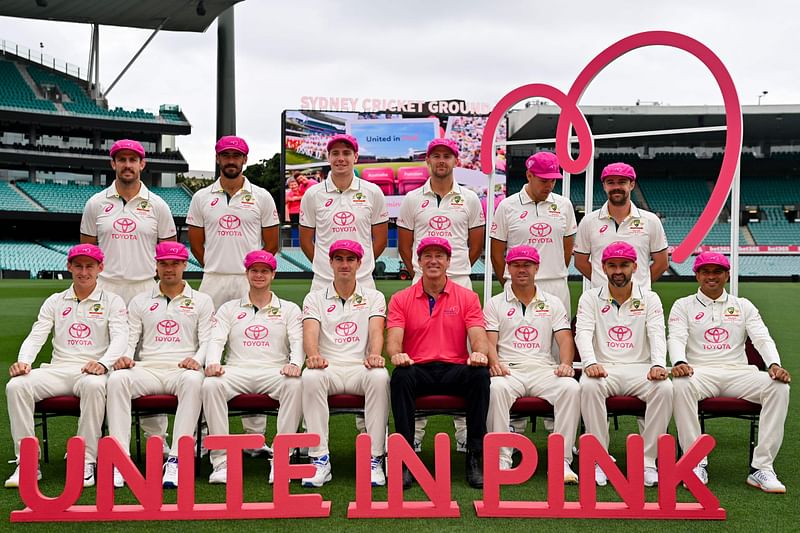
{"x": 438, "y": 336}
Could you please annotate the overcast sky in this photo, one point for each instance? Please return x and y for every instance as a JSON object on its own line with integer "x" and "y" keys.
{"x": 424, "y": 50}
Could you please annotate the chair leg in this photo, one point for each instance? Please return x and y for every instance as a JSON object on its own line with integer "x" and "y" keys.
{"x": 753, "y": 432}
{"x": 45, "y": 441}
{"x": 138, "y": 430}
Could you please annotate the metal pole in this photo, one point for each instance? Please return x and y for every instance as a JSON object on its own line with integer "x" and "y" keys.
{"x": 226, "y": 74}
{"x": 487, "y": 240}
{"x": 588, "y": 190}
{"x": 735, "y": 214}
{"x": 96, "y": 90}
{"x": 135, "y": 57}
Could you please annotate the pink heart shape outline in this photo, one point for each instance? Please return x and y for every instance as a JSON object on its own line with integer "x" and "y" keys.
{"x": 572, "y": 117}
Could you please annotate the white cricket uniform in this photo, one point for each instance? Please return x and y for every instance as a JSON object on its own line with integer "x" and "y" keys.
{"x": 710, "y": 336}
{"x": 127, "y": 232}
{"x": 544, "y": 225}
{"x": 641, "y": 229}
{"x": 450, "y": 217}
{"x": 170, "y": 331}
{"x": 628, "y": 339}
{"x": 524, "y": 345}
{"x": 232, "y": 229}
{"x": 343, "y": 342}
{"x": 259, "y": 343}
{"x": 348, "y": 214}
{"x": 94, "y": 329}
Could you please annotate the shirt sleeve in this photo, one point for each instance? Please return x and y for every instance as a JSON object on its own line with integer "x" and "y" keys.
{"x": 476, "y": 216}
{"x": 571, "y": 226}
{"x": 195, "y": 215}
{"x": 759, "y": 334}
{"x": 134, "y": 325}
{"x": 658, "y": 239}
{"x": 655, "y": 331}
{"x": 269, "y": 213}
{"x": 205, "y": 321}
{"x": 582, "y": 243}
{"x": 499, "y": 229}
{"x": 166, "y": 224}
{"x": 560, "y": 320}
{"x": 678, "y": 332}
{"x": 294, "y": 333}
{"x": 117, "y": 331}
{"x": 377, "y": 306}
{"x": 220, "y": 329}
{"x": 308, "y": 211}
{"x": 379, "y": 212}
{"x": 311, "y": 307}
{"x": 405, "y": 218}
{"x": 89, "y": 219}
{"x": 584, "y": 328}
{"x": 397, "y": 316}
{"x": 490, "y": 315}
{"x": 39, "y": 331}
{"x": 473, "y": 314}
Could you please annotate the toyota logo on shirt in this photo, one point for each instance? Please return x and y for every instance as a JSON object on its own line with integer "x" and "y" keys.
{"x": 716, "y": 337}
{"x": 124, "y": 225}
{"x": 526, "y": 333}
{"x": 439, "y": 224}
{"x": 540, "y": 229}
{"x": 256, "y": 332}
{"x": 343, "y": 218}
{"x": 620, "y": 337}
{"x": 168, "y": 327}
{"x": 346, "y": 332}
{"x": 79, "y": 330}
{"x": 229, "y": 222}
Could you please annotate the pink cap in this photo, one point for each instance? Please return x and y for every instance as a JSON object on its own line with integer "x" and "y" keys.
{"x": 171, "y": 250}
{"x": 232, "y": 142}
{"x": 623, "y": 170}
{"x": 427, "y": 242}
{"x": 619, "y": 250}
{"x": 260, "y": 256}
{"x": 348, "y": 246}
{"x": 450, "y": 144}
{"x": 544, "y": 165}
{"x": 710, "y": 258}
{"x": 127, "y": 144}
{"x": 343, "y": 138}
{"x": 91, "y": 251}
{"x": 523, "y": 252}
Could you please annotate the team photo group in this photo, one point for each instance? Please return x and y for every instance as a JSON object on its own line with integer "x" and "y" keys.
{"x": 119, "y": 333}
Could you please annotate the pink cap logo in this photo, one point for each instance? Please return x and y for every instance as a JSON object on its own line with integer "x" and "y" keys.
{"x": 540, "y": 229}
{"x": 214, "y": 202}
{"x": 603, "y": 228}
{"x": 124, "y": 225}
{"x": 716, "y": 335}
{"x": 241, "y": 315}
{"x": 343, "y": 218}
{"x": 108, "y": 208}
{"x": 439, "y": 222}
{"x": 168, "y": 327}
{"x": 256, "y": 332}
{"x": 620, "y": 333}
{"x": 229, "y": 222}
{"x": 346, "y": 329}
{"x": 526, "y": 333}
{"x": 66, "y": 311}
{"x": 79, "y": 330}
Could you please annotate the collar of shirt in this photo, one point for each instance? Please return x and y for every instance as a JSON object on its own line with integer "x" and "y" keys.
{"x": 525, "y": 199}
{"x": 216, "y": 187}
{"x": 426, "y": 188}
{"x": 186, "y": 293}
{"x": 144, "y": 192}
{"x": 331, "y": 294}
{"x": 275, "y": 302}
{"x": 706, "y": 301}
{"x": 511, "y": 297}
{"x": 605, "y": 295}
{"x": 96, "y": 296}
{"x": 355, "y": 184}
{"x": 419, "y": 292}
{"x": 633, "y": 214}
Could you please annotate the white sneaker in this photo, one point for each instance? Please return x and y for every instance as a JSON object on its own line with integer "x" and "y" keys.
{"x": 505, "y": 463}
{"x": 88, "y": 475}
{"x": 271, "y": 471}
{"x": 570, "y": 477}
{"x": 119, "y": 481}
{"x": 257, "y": 452}
{"x": 323, "y": 474}
{"x": 765, "y": 480}
{"x": 13, "y": 481}
{"x": 701, "y": 473}
{"x": 600, "y": 476}
{"x": 461, "y": 446}
{"x": 377, "y": 476}
{"x": 417, "y": 446}
{"x": 170, "y": 479}
{"x": 650, "y": 476}
{"x": 220, "y": 475}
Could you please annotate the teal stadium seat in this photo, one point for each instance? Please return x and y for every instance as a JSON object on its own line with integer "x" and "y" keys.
{"x": 12, "y": 200}
{"x": 60, "y": 198}
{"x": 15, "y": 92}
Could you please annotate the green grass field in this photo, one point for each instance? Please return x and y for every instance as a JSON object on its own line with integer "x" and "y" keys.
{"x": 748, "y": 509}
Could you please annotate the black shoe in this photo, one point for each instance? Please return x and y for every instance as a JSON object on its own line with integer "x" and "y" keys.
{"x": 408, "y": 479}
{"x": 475, "y": 469}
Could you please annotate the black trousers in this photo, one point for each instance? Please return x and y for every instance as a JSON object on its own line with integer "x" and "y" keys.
{"x": 471, "y": 382}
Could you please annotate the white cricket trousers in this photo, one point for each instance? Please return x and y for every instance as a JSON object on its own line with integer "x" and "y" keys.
{"x": 224, "y": 287}
{"x": 372, "y": 383}
{"x": 23, "y": 392}
{"x": 747, "y": 383}
{"x": 127, "y": 289}
{"x": 563, "y": 393}
{"x": 218, "y": 390}
{"x": 130, "y": 383}
{"x": 627, "y": 380}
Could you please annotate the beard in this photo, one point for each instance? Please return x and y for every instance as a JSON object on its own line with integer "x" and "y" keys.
{"x": 620, "y": 280}
{"x": 231, "y": 171}
{"x": 613, "y": 201}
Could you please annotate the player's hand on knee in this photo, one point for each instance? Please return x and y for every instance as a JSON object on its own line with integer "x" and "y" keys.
{"x": 189, "y": 364}
{"x": 94, "y": 368}
{"x": 374, "y": 361}
{"x": 214, "y": 370}
{"x": 290, "y": 370}
{"x": 19, "y": 369}
{"x": 123, "y": 363}
{"x": 682, "y": 370}
{"x": 595, "y": 370}
{"x": 778, "y": 373}
{"x": 477, "y": 359}
{"x": 402, "y": 359}
{"x": 499, "y": 369}
{"x": 657, "y": 373}
{"x": 316, "y": 361}
{"x": 564, "y": 371}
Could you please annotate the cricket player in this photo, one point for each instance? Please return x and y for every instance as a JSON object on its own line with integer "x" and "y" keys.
{"x": 520, "y": 323}
{"x": 428, "y": 327}
{"x": 90, "y": 332}
{"x": 620, "y": 220}
{"x": 343, "y": 207}
{"x": 173, "y": 322}
{"x": 538, "y": 217}
{"x": 707, "y": 334}
{"x": 127, "y": 220}
{"x": 343, "y": 341}
{"x": 262, "y": 336}
{"x": 620, "y": 337}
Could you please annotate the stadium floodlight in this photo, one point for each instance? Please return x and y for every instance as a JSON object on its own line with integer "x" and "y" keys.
{"x": 762, "y": 95}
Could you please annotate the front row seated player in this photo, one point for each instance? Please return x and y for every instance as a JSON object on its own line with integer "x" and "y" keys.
{"x": 263, "y": 335}
{"x": 173, "y": 322}
{"x": 343, "y": 342}
{"x": 620, "y": 337}
{"x": 90, "y": 331}
{"x": 707, "y": 334}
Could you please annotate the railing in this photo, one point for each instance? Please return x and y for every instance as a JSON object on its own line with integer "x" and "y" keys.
{"x": 9, "y": 47}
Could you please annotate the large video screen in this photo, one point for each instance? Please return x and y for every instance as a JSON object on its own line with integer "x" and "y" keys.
{"x": 391, "y": 151}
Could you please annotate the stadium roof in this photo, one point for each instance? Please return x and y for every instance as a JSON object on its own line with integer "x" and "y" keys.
{"x": 176, "y": 15}
{"x": 774, "y": 124}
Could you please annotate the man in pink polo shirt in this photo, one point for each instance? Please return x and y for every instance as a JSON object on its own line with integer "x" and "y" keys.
{"x": 428, "y": 327}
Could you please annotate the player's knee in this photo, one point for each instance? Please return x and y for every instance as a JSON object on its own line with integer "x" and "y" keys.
{"x": 16, "y": 385}
{"x": 592, "y": 387}
{"x": 192, "y": 379}
{"x": 291, "y": 386}
{"x": 498, "y": 385}
{"x": 378, "y": 377}
{"x": 212, "y": 386}
{"x": 478, "y": 376}
{"x": 662, "y": 387}
{"x": 402, "y": 377}
{"x": 312, "y": 378}
{"x": 93, "y": 386}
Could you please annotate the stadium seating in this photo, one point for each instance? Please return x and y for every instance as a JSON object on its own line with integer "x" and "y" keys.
{"x": 577, "y": 192}
{"x": 176, "y": 197}
{"x": 20, "y": 255}
{"x": 677, "y": 228}
{"x": 297, "y": 258}
{"x": 410, "y": 178}
{"x": 770, "y": 191}
{"x": 60, "y": 198}
{"x": 12, "y": 200}
{"x": 15, "y": 92}
{"x": 675, "y": 196}
{"x": 775, "y": 229}
{"x": 754, "y": 265}
{"x": 383, "y": 177}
